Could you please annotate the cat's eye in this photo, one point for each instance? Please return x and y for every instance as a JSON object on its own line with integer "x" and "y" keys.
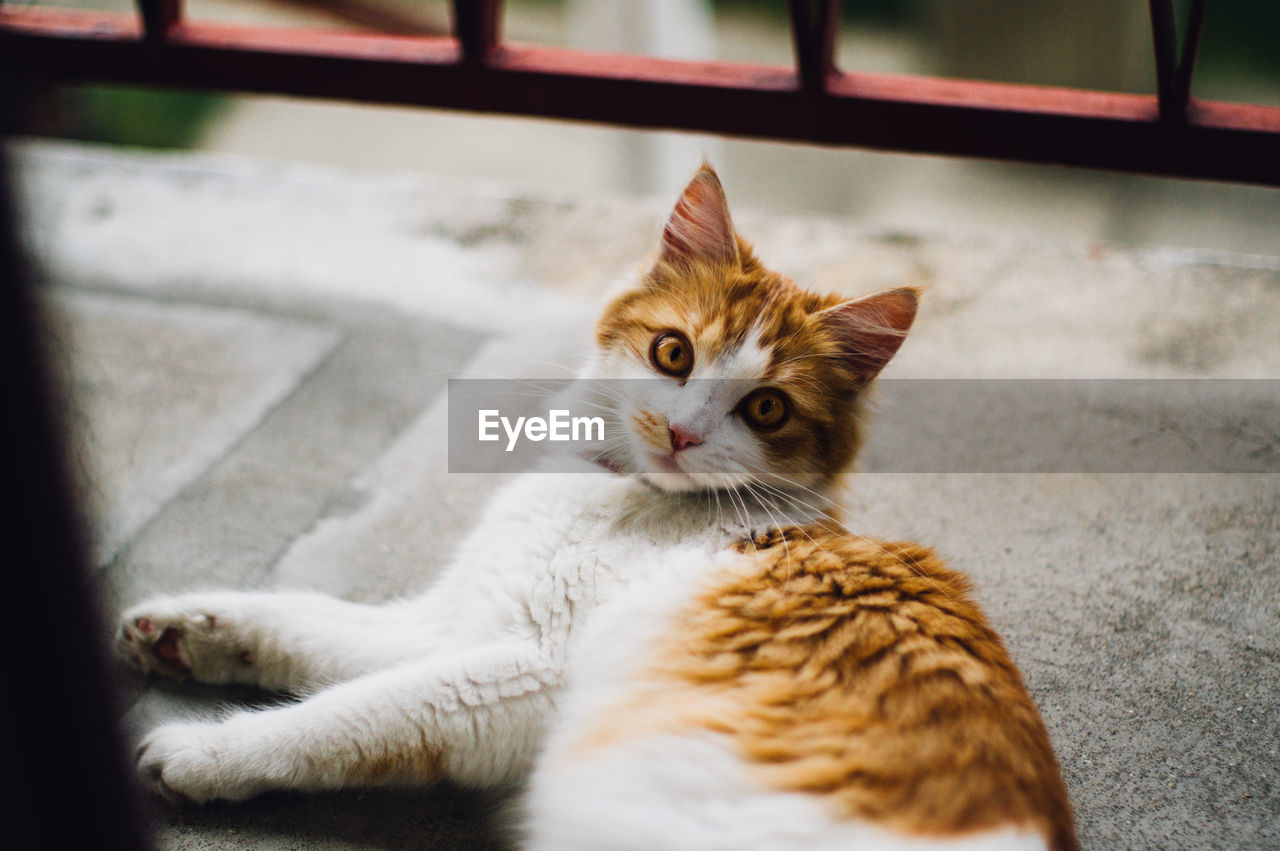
{"x": 765, "y": 408}
{"x": 672, "y": 354}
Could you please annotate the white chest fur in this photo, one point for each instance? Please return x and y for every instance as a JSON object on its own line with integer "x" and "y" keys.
{"x": 552, "y": 547}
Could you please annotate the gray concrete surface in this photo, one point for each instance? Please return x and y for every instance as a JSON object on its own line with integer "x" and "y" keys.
{"x": 256, "y": 356}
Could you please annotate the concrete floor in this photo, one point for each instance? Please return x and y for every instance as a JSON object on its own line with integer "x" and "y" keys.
{"x": 256, "y": 355}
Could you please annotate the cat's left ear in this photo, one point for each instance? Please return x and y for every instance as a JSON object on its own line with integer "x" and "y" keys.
{"x": 700, "y": 229}
{"x": 870, "y": 329}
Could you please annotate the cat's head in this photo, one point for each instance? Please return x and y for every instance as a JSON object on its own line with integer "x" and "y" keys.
{"x": 753, "y": 378}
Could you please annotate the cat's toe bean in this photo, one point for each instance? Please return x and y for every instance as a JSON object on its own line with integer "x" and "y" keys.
{"x": 151, "y": 649}
{"x": 168, "y": 649}
{"x": 132, "y": 645}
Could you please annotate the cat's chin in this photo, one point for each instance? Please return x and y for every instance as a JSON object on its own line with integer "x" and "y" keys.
{"x": 682, "y": 482}
{"x": 672, "y": 482}
{"x": 665, "y": 473}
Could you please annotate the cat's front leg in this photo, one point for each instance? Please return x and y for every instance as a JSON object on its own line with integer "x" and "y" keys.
{"x": 475, "y": 719}
{"x": 282, "y": 641}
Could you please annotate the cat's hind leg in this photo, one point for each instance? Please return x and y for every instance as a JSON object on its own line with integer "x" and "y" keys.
{"x": 281, "y": 641}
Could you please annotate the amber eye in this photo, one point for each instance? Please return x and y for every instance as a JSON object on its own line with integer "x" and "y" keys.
{"x": 672, "y": 354}
{"x": 764, "y": 408}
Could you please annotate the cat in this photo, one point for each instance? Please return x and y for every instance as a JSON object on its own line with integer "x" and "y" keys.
{"x": 685, "y": 650}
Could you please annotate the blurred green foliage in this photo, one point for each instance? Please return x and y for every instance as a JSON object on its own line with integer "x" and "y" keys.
{"x": 120, "y": 115}
{"x": 1242, "y": 37}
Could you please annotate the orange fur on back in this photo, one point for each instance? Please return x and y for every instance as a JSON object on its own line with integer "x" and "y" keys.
{"x": 860, "y": 672}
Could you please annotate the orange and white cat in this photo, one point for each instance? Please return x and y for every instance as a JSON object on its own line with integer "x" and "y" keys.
{"x": 688, "y": 653}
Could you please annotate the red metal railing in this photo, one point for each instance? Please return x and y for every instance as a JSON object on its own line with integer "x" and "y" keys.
{"x": 1168, "y": 134}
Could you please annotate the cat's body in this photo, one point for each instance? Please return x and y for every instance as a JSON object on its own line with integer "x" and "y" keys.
{"x": 692, "y": 656}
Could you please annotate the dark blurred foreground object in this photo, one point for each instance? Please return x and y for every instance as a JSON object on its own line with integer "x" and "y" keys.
{"x": 65, "y": 782}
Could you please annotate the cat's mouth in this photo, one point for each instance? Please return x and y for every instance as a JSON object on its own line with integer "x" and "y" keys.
{"x": 666, "y": 463}
{"x": 664, "y": 472}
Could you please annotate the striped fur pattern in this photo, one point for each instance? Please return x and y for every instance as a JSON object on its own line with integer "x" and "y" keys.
{"x": 857, "y": 672}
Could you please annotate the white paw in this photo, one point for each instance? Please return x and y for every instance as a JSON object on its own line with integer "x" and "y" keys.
{"x": 186, "y": 763}
{"x": 181, "y": 638}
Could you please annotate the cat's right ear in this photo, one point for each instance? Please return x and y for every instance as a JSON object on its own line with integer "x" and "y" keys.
{"x": 700, "y": 230}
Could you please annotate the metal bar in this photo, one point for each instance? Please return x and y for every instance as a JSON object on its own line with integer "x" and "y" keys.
{"x": 814, "y": 26}
{"x": 1164, "y": 34}
{"x": 1190, "y": 45}
{"x": 476, "y": 25}
{"x": 159, "y": 17}
{"x": 828, "y": 32}
{"x": 798, "y": 13}
{"x": 1026, "y": 123}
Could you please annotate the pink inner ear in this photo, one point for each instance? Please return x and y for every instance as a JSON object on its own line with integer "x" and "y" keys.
{"x": 871, "y": 329}
{"x": 700, "y": 229}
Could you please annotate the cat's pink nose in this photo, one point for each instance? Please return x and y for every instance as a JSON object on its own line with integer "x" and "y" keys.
{"x": 681, "y": 439}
